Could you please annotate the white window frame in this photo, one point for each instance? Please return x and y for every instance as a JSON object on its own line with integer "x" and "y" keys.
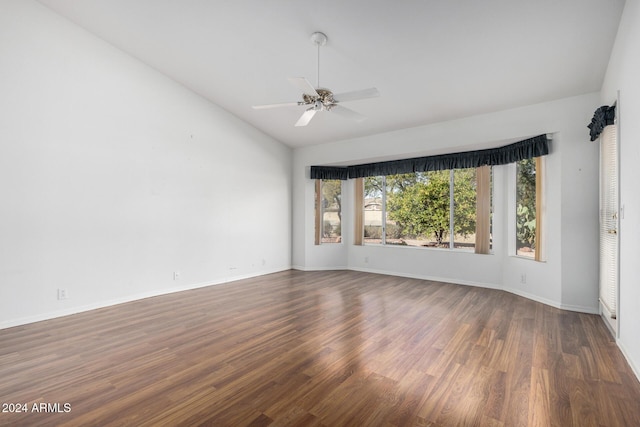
{"x": 319, "y": 212}
{"x": 451, "y": 216}
{"x": 541, "y": 222}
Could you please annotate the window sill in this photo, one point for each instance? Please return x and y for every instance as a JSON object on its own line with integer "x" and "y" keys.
{"x": 427, "y": 248}
{"x": 527, "y": 258}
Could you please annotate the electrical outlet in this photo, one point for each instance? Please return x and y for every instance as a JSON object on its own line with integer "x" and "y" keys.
{"x": 366, "y": 260}
{"x": 523, "y": 279}
{"x": 176, "y": 275}
{"x": 62, "y": 294}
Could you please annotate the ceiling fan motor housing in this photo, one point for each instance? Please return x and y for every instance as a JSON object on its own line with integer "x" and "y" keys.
{"x": 324, "y": 95}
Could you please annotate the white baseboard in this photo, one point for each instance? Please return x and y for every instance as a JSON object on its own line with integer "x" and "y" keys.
{"x": 129, "y": 298}
{"x": 302, "y": 268}
{"x": 625, "y": 353}
{"x": 426, "y": 277}
{"x": 580, "y": 309}
{"x": 610, "y": 323}
{"x": 576, "y": 308}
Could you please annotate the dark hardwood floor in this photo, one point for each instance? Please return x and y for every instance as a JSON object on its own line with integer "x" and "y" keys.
{"x": 320, "y": 349}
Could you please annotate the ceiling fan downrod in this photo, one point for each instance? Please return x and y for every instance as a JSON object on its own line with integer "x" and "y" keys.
{"x": 319, "y": 39}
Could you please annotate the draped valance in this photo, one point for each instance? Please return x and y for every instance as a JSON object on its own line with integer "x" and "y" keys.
{"x": 526, "y": 149}
{"x": 603, "y": 116}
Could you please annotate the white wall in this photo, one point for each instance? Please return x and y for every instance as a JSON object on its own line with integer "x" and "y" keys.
{"x": 568, "y": 278}
{"x": 113, "y": 176}
{"x": 623, "y": 75}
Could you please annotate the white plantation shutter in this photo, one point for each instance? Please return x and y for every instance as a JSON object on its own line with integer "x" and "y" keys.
{"x": 609, "y": 219}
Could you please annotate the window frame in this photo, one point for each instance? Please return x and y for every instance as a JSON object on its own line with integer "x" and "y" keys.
{"x": 483, "y": 232}
{"x": 320, "y": 211}
{"x": 540, "y": 183}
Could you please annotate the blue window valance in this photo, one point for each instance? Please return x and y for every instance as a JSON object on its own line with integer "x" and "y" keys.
{"x": 526, "y": 149}
{"x": 602, "y": 117}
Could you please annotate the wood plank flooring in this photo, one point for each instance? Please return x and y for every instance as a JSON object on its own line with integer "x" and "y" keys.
{"x": 320, "y": 349}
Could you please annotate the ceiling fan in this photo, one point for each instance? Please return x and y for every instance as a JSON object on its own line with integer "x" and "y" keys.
{"x": 321, "y": 99}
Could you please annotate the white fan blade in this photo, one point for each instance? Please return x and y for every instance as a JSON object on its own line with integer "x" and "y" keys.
{"x": 372, "y": 92}
{"x": 347, "y": 113}
{"x": 306, "y": 117}
{"x": 304, "y": 85}
{"x": 284, "y": 104}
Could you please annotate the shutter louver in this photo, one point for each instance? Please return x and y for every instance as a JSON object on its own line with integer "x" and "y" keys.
{"x": 609, "y": 219}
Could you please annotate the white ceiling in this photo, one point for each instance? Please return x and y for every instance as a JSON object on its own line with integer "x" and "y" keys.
{"x": 431, "y": 60}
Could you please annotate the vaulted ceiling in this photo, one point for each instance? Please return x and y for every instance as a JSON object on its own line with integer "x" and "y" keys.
{"x": 431, "y": 60}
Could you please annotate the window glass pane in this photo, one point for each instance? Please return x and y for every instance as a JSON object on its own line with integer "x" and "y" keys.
{"x": 526, "y": 208}
{"x": 464, "y": 211}
{"x": 418, "y": 209}
{"x": 331, "y": 211}
{"x": 373, "y": 209}
{"x": 398, "y": 228}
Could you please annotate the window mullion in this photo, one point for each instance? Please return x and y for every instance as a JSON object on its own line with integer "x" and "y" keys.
{"x": 483, "y": 210}
{"x": 384, "y": 210}
{"x": 451, "y": 208}
{"x": 318, "y": 212}
{"x": 539, "y": 181}
{"x": 358, "y": 225}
